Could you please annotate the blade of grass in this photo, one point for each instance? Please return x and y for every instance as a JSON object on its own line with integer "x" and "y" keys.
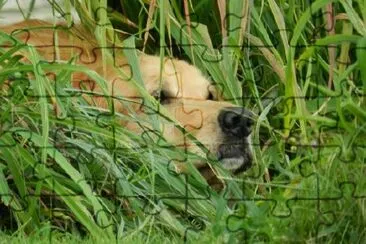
{"x": 74, "y": 175}
{"x": 277, "y": 14}
{"x": 357, "y": 22}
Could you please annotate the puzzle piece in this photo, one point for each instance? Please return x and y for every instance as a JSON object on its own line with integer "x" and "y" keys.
{"x": 93, "y": 175}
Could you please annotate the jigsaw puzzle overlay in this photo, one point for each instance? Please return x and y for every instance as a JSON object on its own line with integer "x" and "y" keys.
{"x": 69, "y": 162}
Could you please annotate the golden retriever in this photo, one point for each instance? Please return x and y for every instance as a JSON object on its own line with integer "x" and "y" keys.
{"x": 180, "y": 88}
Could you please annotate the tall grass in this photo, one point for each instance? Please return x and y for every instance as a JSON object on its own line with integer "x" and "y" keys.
{"x": 299, "y": 68}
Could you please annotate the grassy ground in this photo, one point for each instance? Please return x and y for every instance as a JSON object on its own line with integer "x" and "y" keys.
{"x": 301, "y": 69}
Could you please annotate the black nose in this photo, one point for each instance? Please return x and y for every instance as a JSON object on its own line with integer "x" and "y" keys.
{"x": 236, "y": 122}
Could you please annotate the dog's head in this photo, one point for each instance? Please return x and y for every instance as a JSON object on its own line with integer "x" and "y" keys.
{"x": 188, "y": 96}
{"x": 181, "y": 88}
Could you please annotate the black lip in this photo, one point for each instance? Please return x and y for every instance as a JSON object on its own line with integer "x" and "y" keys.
{"x": 238, "y": 150}
{"x": 232, "y": 150}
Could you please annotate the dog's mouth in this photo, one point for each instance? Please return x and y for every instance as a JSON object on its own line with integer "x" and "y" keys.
{"x": 236, "y": 157}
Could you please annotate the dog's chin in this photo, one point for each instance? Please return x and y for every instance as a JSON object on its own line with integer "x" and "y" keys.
{"x": 236, "y": 158}
{"x": 235, "y": 165}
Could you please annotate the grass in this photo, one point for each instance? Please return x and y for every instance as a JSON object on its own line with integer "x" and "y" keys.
{"x": 66, "y": 177}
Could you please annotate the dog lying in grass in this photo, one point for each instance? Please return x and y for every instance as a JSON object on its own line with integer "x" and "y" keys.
{"x": 179, "y": 87}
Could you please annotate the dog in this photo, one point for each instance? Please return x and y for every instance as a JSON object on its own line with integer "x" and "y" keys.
{"x": 181, "y": 89}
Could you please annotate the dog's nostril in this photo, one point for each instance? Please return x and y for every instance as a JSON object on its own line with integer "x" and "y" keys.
{"x": 231, "y": 120}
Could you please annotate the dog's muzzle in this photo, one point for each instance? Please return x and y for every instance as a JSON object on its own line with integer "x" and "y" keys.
{"x": 235, "y": 152}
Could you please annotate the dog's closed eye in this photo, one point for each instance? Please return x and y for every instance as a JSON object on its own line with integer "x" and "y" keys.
{"x": 161, "y": 96}
{"x": 212, "y": 93}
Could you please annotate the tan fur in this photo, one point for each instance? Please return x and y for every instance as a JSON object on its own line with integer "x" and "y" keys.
{"x": 186, "y": 87}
